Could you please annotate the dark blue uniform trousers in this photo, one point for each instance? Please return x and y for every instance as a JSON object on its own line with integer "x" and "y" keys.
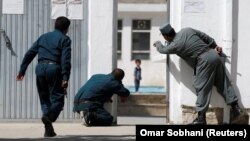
{"x": 51, "y": 93}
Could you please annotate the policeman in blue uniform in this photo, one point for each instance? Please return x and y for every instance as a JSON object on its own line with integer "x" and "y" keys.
{"x": 201, "y": 52}
{"x": 95, "y": 92}
{"x": 52, "y": 71}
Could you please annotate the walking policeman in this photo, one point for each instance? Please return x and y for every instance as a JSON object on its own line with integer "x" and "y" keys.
{"x": 52, "y": 71}
{"x": 202, "y": 53}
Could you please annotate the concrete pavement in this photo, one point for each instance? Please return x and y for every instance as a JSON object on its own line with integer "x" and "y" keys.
{"x": 124, "y": 131}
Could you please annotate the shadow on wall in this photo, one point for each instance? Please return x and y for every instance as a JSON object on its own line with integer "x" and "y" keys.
{"x": 180, "y": 76}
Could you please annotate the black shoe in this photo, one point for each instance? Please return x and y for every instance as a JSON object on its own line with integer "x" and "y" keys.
{"x": 235, "y": 114}
{"x": 49, "y": 130}
{"x": 89, "y": 118}
{"x": 86, "y": 118}
{"x": 199, "y": 121}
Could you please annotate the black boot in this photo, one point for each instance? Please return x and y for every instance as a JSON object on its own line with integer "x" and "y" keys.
{"x": 235, "y": 113}
{"x": 49, "y": 130}
{"x": 200, "y": 120}
{"x": 89, "y": 117}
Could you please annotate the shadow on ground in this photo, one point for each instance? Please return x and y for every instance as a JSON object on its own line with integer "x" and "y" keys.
{"x": 76, "y": 138}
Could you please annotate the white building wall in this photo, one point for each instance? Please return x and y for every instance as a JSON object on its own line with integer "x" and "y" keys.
{"x": 216, "y": 19}
{"x": 153, "y": 72}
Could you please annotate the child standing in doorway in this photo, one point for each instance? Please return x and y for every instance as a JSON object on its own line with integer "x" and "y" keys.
{"x": 137, "y": 74}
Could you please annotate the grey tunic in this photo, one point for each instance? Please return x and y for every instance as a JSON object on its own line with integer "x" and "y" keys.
{"x": 196, "y": 48}
{"x": 188, "y": 44}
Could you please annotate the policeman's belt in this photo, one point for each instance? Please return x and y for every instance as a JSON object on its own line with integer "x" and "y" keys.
{"x": 87, "y": 101}
{"x": 47, "y": 62}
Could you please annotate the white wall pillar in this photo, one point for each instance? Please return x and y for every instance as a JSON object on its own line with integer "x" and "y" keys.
{"x": 102, "y": 33}
{"x": 175, "y": 113}
{"x": 227, "y": 44}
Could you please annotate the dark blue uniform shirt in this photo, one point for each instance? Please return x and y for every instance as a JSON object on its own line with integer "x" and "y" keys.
{"x": 100, "y": 88}
{"x": 53, "y": 46}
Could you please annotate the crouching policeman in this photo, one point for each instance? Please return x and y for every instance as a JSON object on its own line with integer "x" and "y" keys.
{"x": 95, "y": 92}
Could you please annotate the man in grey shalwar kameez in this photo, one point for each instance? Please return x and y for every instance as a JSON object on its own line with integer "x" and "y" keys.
{"x": 202, "y": 53}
